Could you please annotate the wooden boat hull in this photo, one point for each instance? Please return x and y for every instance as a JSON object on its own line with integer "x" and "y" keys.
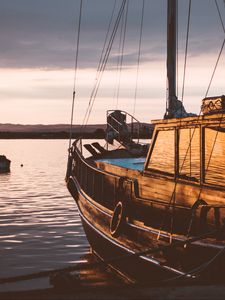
{"x": 120, "y": 252}
{"x": 133, "y": 268}
{"x": 155, "y": 252}
{"x": 121, "y": 258}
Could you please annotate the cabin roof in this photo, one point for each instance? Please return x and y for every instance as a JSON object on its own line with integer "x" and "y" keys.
{"x": 196, "y": 120}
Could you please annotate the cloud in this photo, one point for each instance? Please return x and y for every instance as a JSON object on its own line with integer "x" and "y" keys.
{"x": 42, "y": 34}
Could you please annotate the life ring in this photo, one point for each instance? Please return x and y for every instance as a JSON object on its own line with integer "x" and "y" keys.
{"x": 118, "y": 220}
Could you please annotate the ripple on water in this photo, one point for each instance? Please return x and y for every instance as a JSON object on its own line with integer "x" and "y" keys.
{"x": 40, "y": 226}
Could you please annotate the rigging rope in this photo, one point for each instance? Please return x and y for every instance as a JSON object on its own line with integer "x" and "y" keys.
{"x": 177, "y": 34}
{"x": 198, "y": 269}
{"x": 106, "y": 39}
{"x": 102, "y": 67}
{"x": 221, "y": 50}
{"x": 139, "y": 55}
{"x": 75, "y": 72}
{"x": 118, "y": 60}
{"x": 217, "y": 132}
{"x": 107, "y": 35}
{"x": 124, "y": 28}
{"x": 186, "y": 49}
{"x": 101, "y": 62}
{"x": 172, "y": 198}
{"x": 96, "y": 91}
{"x": 218, "y": 10}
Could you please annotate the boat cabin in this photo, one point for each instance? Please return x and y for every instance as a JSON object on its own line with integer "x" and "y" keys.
{"x": 191, "y": 149}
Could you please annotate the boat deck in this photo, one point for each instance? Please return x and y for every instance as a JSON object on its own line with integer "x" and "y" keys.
{"x": 129, "y": 163}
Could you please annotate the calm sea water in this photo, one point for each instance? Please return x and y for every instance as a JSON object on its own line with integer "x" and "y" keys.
{"x": 40, "y": 228}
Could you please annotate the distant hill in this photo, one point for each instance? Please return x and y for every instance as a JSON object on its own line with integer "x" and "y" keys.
{"x": 47, "y": 128}
{"x": 61, "y": 131}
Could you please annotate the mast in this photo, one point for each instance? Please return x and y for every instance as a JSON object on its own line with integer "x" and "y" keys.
{"x": 174, "y": 107}
{"x": 171, "y": 53}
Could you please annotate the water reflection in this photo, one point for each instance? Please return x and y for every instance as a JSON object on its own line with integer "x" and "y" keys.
{"x": 39, "y": 225}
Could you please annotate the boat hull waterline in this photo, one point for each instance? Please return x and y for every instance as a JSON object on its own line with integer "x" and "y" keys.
{"x": 176, "y": 262}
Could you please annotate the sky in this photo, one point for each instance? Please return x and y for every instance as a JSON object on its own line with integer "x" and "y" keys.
{"x": 38, "y": 50}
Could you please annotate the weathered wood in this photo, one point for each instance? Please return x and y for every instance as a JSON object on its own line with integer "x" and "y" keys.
{"x": 160, "y": 207}
{"x": 138, "y": 238}
{"x": 203, "y": 120}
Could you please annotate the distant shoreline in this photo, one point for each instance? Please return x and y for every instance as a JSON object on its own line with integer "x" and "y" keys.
{"x": 57, "y": 135}
{"x": 61, "y": 131}
{"x": 49, "y": 135}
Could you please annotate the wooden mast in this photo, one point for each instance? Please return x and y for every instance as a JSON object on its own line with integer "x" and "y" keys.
{"x": 171, "y": 53}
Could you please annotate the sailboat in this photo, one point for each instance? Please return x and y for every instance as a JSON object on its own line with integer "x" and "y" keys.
{"x": 156, "y": 213}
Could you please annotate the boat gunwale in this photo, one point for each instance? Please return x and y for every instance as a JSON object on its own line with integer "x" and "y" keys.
{"x": 148, "y": 173}
{"x": 104, "y": 172}
{"x": 164, "y": 234}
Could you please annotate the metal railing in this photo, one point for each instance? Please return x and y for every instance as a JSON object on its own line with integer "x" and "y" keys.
{"x": 123, "y": 123}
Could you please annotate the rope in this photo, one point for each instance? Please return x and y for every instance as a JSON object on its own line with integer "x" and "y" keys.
{"x": 214, "y": 70}
{"x": 221, "y": 50}
{"x": 139, "y": 54}
{"x": 85, "y": 266}
{"x": 186, "y": 49}
{"x": 75, "y": 72}
{"x": 105, "y": 62}
{"x": 172, "y": 199}
{"x": 218, "y": 10}
{"x": 122, "y": 49}
{"x": 118, "y": 68}
{"x": 199, "y": 269}
{"x": 106, "y": 38}
{"x": 177, "y": 34}
{"x": 102, "y": 67}
{"x": 117, "y": 64}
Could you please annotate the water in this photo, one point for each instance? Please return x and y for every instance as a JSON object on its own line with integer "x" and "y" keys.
{"x": 40, "y": 228}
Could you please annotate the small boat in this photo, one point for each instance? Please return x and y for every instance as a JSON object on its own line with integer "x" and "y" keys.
{"x": 4, "y": 164}
{"x": 155, "y": 213}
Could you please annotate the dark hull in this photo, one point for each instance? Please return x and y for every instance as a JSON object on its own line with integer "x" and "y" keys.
{"x": 133, "y": 268}
{"x": 163, "y": 239}
{"x": 119, "y": 252}
{"x": 5, "y": 165}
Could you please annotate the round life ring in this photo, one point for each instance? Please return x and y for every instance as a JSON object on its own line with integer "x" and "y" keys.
{"x": 118, "y": 220}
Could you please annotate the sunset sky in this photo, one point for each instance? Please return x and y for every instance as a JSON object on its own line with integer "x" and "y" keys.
{"x": 37, "y": 57}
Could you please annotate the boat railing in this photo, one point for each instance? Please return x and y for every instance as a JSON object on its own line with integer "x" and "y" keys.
{"x": 126, "y": 126}
{"x": 96, "y": 183}
{"x": 86, "y": 173}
